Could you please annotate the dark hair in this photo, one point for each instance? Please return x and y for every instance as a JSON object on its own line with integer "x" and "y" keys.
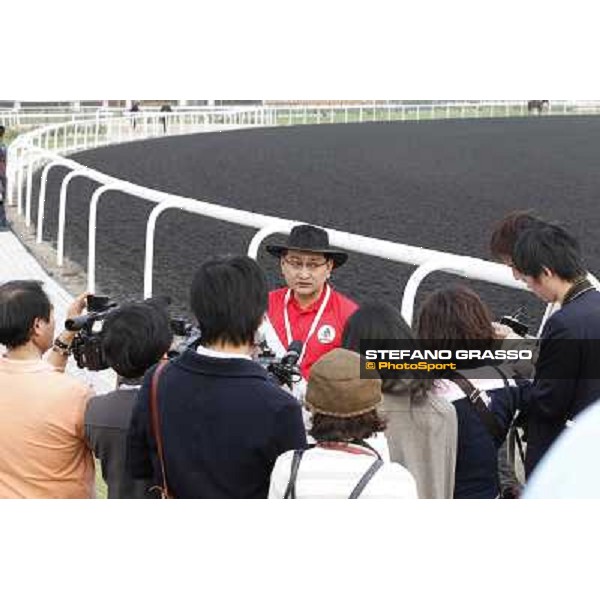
{"x": 507, "y": 231}
{"x": 229, "y": 298}
{"x": 455, "y": 318}
{"x": 21, "y": 303}
{"x": 2, "y": 130}
{"x": 452, "y": 315}
{"x": 378, "y": 320}
{"x": 134, "y": 337}
{"x": 374, "y": 321}
{"x": 326, "y": 428}
{"x": 548, "y": 247}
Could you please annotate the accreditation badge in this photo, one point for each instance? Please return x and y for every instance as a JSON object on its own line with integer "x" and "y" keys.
{"x": 326, "y": 334}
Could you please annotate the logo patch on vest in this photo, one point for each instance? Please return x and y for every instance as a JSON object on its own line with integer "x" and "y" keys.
{"x": 326, "y": 334}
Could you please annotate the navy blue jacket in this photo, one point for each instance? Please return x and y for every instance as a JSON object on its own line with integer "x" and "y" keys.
{"x": 566, "y": 373}
{"x": 476, "y": 474}
{"x": 224, "y": 423}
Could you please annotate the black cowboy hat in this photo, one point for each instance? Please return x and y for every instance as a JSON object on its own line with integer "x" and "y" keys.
{"x": 308, "y": 238}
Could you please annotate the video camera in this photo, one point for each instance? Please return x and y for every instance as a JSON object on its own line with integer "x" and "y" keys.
{"x": 87, "y": 345}
{"x": 284, "y": 371}
{"x": 515, "y": 324}
{"x": 186, "y": 336}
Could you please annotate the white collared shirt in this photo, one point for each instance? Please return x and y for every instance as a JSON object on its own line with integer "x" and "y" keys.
{"x": 210, "y": 352}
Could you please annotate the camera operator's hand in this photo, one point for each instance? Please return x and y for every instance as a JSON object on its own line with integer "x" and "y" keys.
{"x": 78, "y": 305}
{"x": 59, "y": 354}
{"x": 74, "y": 310}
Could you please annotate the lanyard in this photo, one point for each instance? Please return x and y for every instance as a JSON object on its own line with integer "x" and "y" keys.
{"x": 314, "y": 324}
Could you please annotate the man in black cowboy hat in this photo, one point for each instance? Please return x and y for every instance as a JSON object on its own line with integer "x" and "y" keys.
{"x": 308, "y": 309}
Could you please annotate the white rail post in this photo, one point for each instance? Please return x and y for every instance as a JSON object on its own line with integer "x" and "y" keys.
{"x": 463, "y": 266}
{"x": 149, "y": 250}
{"x": 62, "y": 211}
{"x": 30, "y": 165}
{"x": 21, "y": 166}
{"x": 42, "y": 198}
{"x": 264, "y": 233}
{"x": 92, "y": 219}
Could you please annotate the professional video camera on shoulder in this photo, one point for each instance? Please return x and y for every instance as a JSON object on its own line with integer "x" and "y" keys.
{"x": 88, "y": 346}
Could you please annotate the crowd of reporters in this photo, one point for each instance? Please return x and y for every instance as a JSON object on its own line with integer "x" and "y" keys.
{"x": 213, "y": 422}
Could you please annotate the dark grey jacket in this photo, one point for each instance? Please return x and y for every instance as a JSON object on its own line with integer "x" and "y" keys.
{"x": 107, "y": 420}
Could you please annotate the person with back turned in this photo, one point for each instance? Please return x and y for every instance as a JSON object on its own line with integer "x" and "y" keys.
{"x": 210, "y": 423}
{"x": 43, "y": 451}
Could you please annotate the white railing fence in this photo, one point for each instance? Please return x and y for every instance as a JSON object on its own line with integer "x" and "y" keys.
{"x": 48, "y": 145}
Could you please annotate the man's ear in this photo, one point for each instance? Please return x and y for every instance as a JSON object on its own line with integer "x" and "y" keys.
{"x": 36, "y": 328}
{"x": 547, "y": 272}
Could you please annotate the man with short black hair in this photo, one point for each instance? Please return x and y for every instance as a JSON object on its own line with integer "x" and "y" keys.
{"x": 215, "y": 423}
{"x": 43, "y": 452}
{"x": 567, "y": 378}
{"x": 135, "y": 337}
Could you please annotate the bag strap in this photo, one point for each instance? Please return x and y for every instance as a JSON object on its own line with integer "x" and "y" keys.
{"x": 290, "y": 490}
{"x": 364, "y": 480}
{"x": 474, "y": 396}
{"x": 156, "y": 430}
{"x": 515, "y": 438}
{"x": 507, "y": 387}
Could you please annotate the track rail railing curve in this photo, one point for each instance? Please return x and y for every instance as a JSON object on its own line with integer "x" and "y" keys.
{"x": 48, "y": 144}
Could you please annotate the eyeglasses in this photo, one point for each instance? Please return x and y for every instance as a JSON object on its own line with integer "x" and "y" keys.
{"x": 311, "y": 265}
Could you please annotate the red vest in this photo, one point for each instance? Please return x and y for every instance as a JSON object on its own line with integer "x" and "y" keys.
{"x": 328, "y": 332}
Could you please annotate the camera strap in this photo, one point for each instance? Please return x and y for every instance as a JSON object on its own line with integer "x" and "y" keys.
{"x": 475, "y": 397}
{"x": 156, "y": 431}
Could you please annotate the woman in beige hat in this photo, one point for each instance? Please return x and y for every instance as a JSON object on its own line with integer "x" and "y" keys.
{"x": 341, "y": 464}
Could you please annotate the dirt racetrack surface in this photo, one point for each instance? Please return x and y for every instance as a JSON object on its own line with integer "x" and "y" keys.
{"x": 436, "y": 184}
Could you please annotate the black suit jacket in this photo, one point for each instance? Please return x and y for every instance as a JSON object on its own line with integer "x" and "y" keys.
{"x": 567, "y": 377}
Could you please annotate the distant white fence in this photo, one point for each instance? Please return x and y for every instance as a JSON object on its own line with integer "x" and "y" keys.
{"x": 49, "y": 145}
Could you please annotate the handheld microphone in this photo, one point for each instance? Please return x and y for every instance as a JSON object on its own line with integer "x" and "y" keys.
{"x": 292, "y": 356}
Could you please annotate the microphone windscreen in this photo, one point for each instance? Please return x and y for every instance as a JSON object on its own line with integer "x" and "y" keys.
{"x": 296, "y": 346}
